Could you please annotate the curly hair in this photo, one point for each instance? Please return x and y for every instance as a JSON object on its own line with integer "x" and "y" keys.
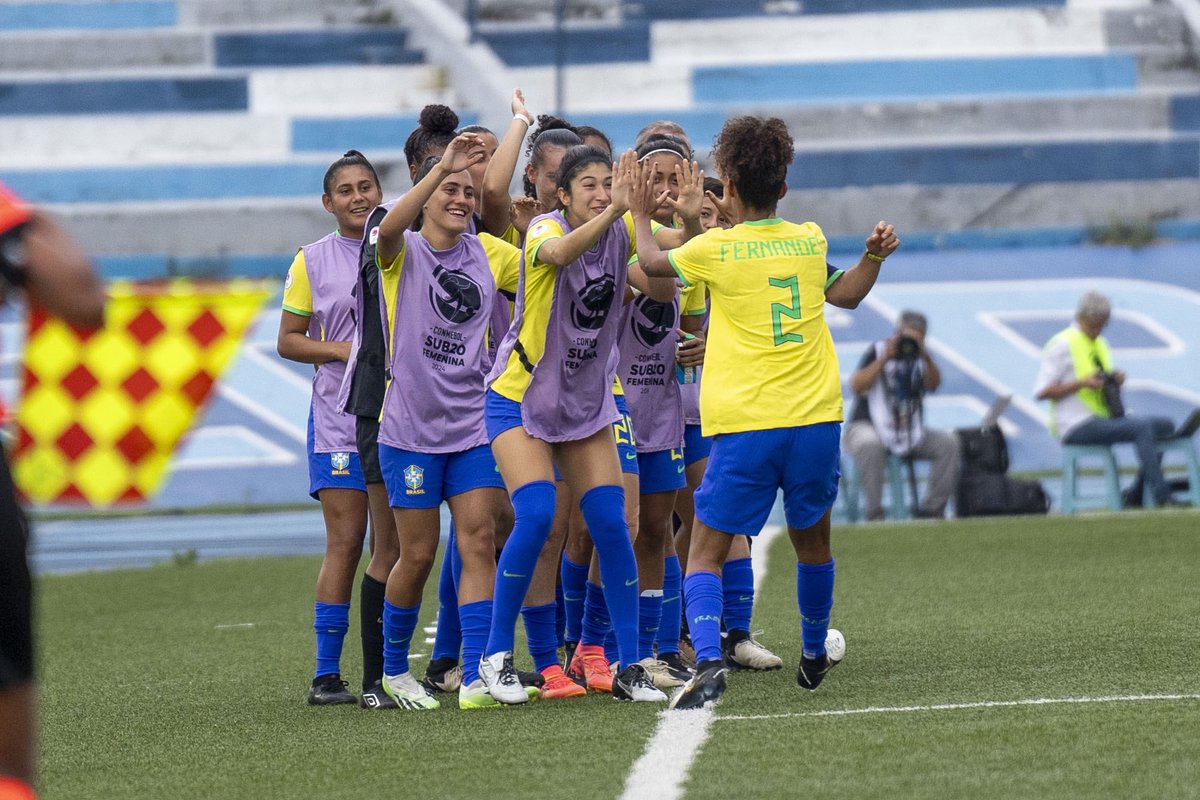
{"x": 435, "y": 129}
{"x": 753, "y": 154}
{"x": 551, "y": 132}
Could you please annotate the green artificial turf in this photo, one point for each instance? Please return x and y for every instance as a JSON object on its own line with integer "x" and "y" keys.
{"x": 188, "y": 681}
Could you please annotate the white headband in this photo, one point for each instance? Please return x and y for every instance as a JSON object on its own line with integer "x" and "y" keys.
{"x": 675, "y": 153}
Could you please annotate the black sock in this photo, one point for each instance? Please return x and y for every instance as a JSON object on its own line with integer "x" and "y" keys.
{"x": 370, "y": 610}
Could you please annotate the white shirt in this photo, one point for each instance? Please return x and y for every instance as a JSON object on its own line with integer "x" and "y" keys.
{"x": 1058, "y": 367}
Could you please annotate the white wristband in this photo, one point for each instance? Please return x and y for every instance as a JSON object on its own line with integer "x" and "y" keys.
{"x": 525, "y": 119}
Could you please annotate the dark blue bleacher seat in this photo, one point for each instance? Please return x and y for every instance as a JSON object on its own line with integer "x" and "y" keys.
{"x": 361, "y": 133}
{"x": 123, "y": 96}
{"x": 165, "y": 183}
{"x": 304, "y": 48}
{"x": 1010, "y": 163}
{"x": 582, "y": 44}
{"x": 1185, "y": 113}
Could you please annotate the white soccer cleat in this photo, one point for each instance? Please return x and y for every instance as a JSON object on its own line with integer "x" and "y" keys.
{"x": 660, "y": 674}
{"x": 749, "y": 653}
{"x": 633, "y": 683}
{"x": 501, "y": 678}
{"x": 408, "y": 692}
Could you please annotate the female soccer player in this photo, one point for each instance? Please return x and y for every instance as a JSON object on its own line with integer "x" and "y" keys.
{"x": 315, "y": 327}
{"x": 439, "y": 285}
{"x": 778, "y": 425}
{"x": 550, "y": 403}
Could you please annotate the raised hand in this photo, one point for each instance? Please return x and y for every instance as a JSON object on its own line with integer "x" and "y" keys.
{"x": 883, "y": 241}
{"x": 465, "y": 150}
{"x": 624, "y": 174}
{"x": 523, "y": 210}
{"x": 724, "y": 206}
{"x": 691, "y": 190}
{"x": 518, "y": 107}
{"x": 643, "y": 199}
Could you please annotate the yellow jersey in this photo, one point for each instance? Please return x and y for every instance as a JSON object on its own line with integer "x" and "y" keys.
{"x": 770, "y": 361}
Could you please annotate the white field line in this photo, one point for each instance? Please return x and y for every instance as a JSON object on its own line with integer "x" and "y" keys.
{"x": 1039, "y": 701}
{"x": 663, "y": 767}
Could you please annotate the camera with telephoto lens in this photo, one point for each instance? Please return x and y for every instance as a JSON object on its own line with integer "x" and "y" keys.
{"x": 907, "y": 348}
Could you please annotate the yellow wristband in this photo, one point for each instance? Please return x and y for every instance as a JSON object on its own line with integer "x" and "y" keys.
{"x": 875, "y": 258}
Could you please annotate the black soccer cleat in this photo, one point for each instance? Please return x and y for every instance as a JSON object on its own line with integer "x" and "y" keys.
{"x": 330, "y": 690}
{"x": 705, "y": 688}
{"x": 376, "y": 697}
{"x": 812, "y": 671}
{"x": 634, "y": 684}
{"x": 534, "y": 679}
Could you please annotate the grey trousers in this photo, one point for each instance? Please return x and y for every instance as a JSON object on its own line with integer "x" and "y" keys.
{"x": 939, "y": 447}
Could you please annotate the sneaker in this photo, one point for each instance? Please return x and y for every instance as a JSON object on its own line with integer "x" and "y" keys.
{"x": 476, "y": 695}
{"x": 686, "y": 651}
{"x": 377, "y": 697}
{"x": 743, "y": 651}
{"x": 501, "y": 678}
{"x": 705, "y": 688}
{"x": 592, "y": 665}
{"x": 557, "y": 685}
{"x": 408, "y": 692}
{"x": 634, "y": 683}
{"x": 660, "y": 674}
{"x": 329, "y": 690}
{"x": 442, "y": 675}
{"x": 677, "y": 666}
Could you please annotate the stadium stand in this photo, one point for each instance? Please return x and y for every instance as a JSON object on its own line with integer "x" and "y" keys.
{"x": 1011, "y": 117}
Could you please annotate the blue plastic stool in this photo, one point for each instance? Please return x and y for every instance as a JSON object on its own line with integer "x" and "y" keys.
{"x": 897, "y": 506}
{"x": 897, "y": 478}
{"x": 1072, "y": 454}
{"x": 1186, "y": 447}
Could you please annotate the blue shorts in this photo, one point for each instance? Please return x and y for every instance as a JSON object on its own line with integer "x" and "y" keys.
{"x": 623, "y": 433}
{"x": 500, "y": 414}
{"x": 424, "y": 480}
{"x": 662, "y": 471}
{"x": 747, "y": 470}
{"x": 332, "y": 470}
{"x": 695, "y": 446}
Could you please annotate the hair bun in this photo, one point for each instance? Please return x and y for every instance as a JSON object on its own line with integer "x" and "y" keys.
{"x": 549, "y": 122}
{"x": 437, "y": 118}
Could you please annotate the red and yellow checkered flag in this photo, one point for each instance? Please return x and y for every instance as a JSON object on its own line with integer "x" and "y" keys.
{"x": 102, "y": 411}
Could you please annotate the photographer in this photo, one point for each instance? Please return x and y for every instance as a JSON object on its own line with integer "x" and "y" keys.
{"x": 1078, "y": 379}
{"x": 889, "y": 385}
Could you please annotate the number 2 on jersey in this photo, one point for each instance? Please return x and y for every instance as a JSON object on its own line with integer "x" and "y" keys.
{"x": 781, "y": 310}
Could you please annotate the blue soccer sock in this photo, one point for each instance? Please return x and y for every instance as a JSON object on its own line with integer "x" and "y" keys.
{"x": 737, "y": 579}
{"x": 448, "y": 640}
{"x": 603, "y": 509}
{"x": 704, "y": 601}
{"x": 574, "y": 588}
{"x": 330, "y": 623}
{"x": 540, "y": 635}
{"x": 669, "y": 624}
{"x": 814, "y": 594}
{"x": 476, "y": 620}
{"x": 595, "y": 625}
{"x": 398, "y": 626}
{"x": 560, "y": 615}
{"x": 650, "y": 607}
{"x": 533, "y": 505}
{"x": 611, "y": 652}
